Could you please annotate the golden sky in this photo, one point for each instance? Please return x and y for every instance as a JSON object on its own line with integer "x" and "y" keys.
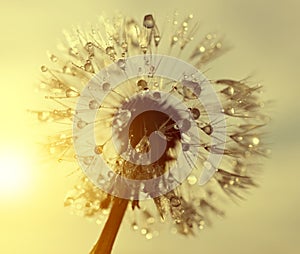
{"x": 265, "y": 36}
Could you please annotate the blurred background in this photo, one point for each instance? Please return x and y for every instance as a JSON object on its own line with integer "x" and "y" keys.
{"x": 265, "y": 36}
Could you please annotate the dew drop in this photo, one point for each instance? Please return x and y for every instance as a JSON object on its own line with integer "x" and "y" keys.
{"x": 149, "y": 21}
{"x": 175, "y": 201}
{"x": 71, "y": 93}
{"x": 43, "y": 116}
{"x": 105, "y": 86}
{"x": 121, "y": 63}
{"x": 255, "y": 141}
{"x": 156, "y": 95}
{"x": 88, "y": 160}
{"x": 149, "y": 236}
{"x": 195, "y": 113}
{"x": 98, "y": 149}
{"x": 44, "y": 68}
{"x": 208, "y": 129}
{"x": 89, "y": 67}
{"x": 157, "y": 39}
{"x": 93, "y": 104}
{"x": 191, "y": 89}
{"x": 53, "y": 58}
{"x": 142, "y": 84}
{"x": 110, "y": 50}
{"x": 81, "y": 124}
{"x": 192, "y": 179}
{"x": 185, "y": 147}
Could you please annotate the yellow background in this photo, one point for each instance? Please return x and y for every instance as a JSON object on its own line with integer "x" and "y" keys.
{"x": 266, "y": 39}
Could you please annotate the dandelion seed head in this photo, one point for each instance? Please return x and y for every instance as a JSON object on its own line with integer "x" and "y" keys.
{"x": 115, "y": 115}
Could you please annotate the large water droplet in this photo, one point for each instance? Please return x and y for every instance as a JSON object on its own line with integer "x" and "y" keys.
{"x": 142, "y": 84}
{"x": 122, "y": 64}
{"x": 195, "y": 113}
{"x": 149, "y": 21}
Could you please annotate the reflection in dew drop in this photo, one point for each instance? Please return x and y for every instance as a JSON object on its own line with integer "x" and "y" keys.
{"x": 105, "y": 86}
{"x": 175, "y": 201}
{"x": 157, "y": 39}
{"x": 149, "y": 21}
{"x": 81, "y": 124}
{"x": 71, "y": 93}
{"x": 195, "y": 113}
{"x": 184, "y": 125}
{"x": 93, "y": 104}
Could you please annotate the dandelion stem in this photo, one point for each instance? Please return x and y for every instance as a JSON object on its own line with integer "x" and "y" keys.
{"x": 107, "y": 238}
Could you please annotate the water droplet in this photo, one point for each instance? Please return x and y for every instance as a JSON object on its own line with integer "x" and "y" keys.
{"x": 134, "y": 226}
{"x": 156, "y": 95}
{"x": 142, "y": 84}
{"x": 184, "y": 125}
{"x": 98, "y": 149}
{"x": 255, "y": 141}
{"x": 149, "y": 236}
{"x": 195, "y": 113}
{"x": 192, "y": 179}
{"x": 89, "y": 67}
{"x": 208, "y": 129}
{"x": 149, "y": 21}
{"x": 53, "y": 58}
{"x": 43, "y": 116}
{"x": 175, "y": 201}
{"x": 44, "y": 68}
{"x": 110, "y": 50}
{"x": 87, "y": 160}
{"x": 185, "y": 147}
{"x": 105, "y": 86}
{"x": 202, "y": 49}
{"x": 121, "y": 63}
{"x": 81, "y": 124}
{"x": 157, "y": 39}
{"x": 71, "y": 93}
{"x": 191, "y": 89}
{"x": 93, "y": 104}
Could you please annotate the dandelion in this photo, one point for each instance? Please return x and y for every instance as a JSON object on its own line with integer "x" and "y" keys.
{"x": 150, "y": 132}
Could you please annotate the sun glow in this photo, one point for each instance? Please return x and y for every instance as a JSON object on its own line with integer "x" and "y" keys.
{"x": 13, "y": 173}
